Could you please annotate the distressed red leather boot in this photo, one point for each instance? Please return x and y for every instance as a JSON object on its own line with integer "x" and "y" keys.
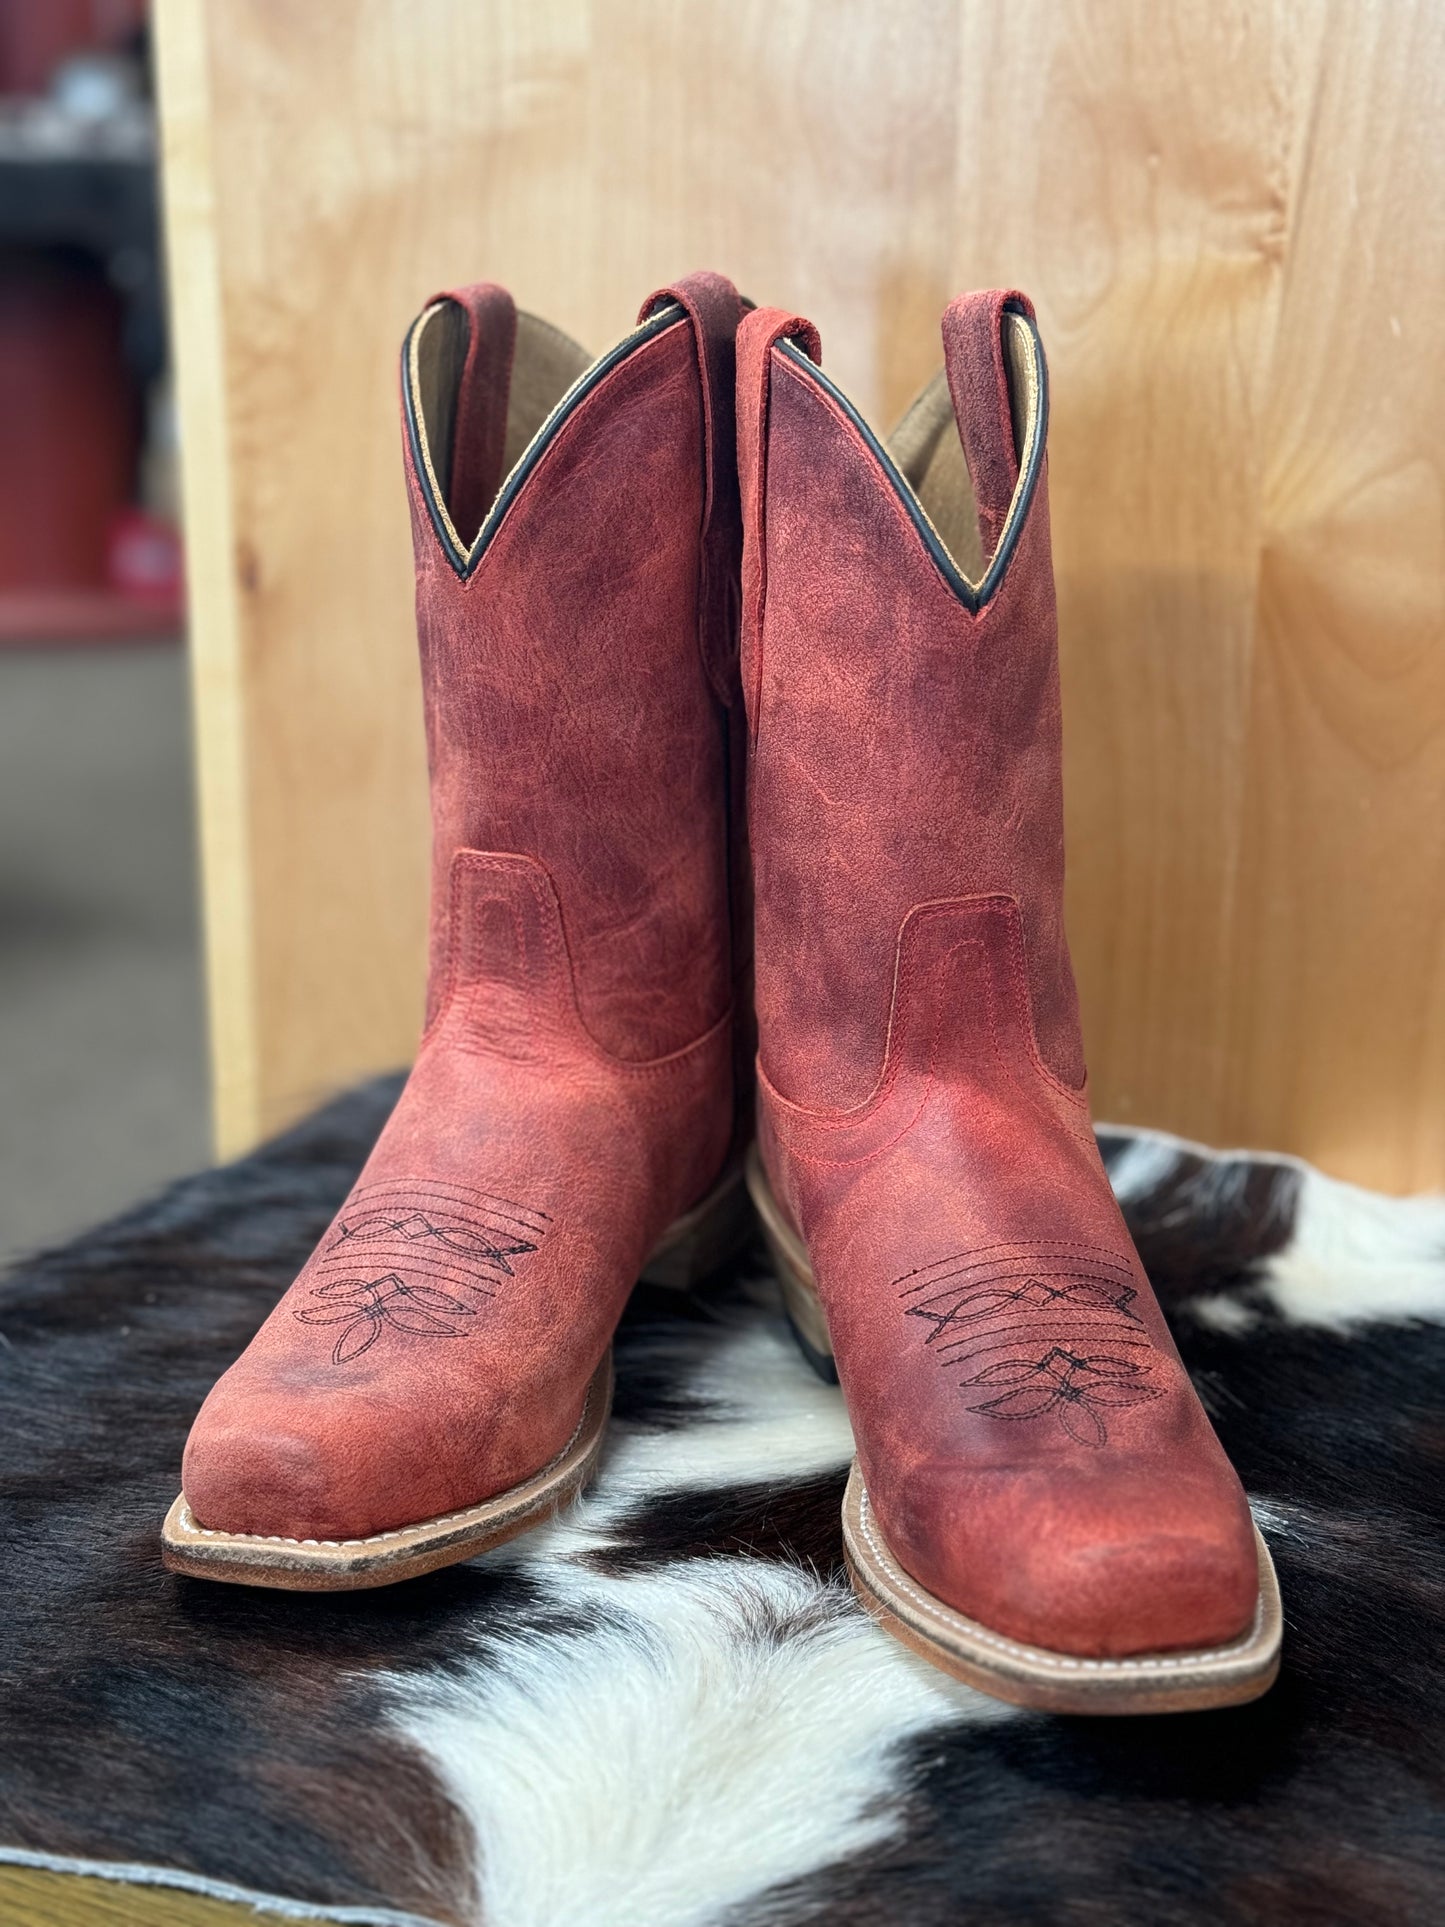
{"x": 437, "y": 1378}
{"x": 1039, "y": 1504}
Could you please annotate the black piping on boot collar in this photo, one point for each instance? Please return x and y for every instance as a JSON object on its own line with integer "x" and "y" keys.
{"x": 464, "y": 560}
{"x": 973, "y": 595}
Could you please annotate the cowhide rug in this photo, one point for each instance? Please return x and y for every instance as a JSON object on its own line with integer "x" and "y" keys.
{"x": 665, "y": 1710}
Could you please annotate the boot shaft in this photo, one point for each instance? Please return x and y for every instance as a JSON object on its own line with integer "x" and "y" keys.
{"x": 575, "y": 623}
{"x": 900, "y": 670}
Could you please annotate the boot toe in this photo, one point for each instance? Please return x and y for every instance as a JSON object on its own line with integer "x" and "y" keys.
{"x": 1147, "y": 1565}
{"x": 285, "y": 1468}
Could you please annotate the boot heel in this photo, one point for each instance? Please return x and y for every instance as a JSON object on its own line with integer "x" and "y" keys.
{"x": 795, "y": 1275}
{"x": 703, "y": 1239}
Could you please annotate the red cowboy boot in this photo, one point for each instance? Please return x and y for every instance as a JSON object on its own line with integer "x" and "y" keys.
{"x": 437, "y": 1379}
{"x": 1038, "y": 1504}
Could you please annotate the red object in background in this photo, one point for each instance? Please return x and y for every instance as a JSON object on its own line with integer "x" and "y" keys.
{"x": 76, "y": 559}
{"x": 36, "y": 35}
{"x": 68, "y": 454}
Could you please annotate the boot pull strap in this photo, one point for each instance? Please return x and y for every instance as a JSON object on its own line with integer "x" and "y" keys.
{"x": 992, "y": 399}
{"x": 714, "y": 308}
{"x": 760, "y": 333}
{"x": 479, "y": 420}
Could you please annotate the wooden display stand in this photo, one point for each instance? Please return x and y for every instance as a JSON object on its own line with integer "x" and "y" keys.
{"x": 1232, "y": 219}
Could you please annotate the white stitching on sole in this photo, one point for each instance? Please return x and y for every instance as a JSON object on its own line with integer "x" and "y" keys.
{"x": 1038, "y": 1656}
{"x": 188, "y": 1519}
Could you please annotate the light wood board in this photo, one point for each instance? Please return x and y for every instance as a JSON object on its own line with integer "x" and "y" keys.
{"x": 35, "y": 1897}
{"x": 1232, "y": 218}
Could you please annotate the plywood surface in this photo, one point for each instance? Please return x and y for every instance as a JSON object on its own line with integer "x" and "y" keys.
{"x": 32, "y": 1897}
{"x": 1232, "y": 219}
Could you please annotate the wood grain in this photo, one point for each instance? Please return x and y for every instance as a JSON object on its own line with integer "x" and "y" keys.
{"x": 33, "y": 1897}
{"x": 1231, "y": 217}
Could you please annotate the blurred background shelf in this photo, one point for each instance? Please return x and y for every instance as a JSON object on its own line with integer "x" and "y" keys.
{"x": 29, "y": 618}
{"x": 88, "y": 542}
{"x": 102, "y": 1057}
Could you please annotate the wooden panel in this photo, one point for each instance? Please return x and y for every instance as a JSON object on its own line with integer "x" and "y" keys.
{"x": 1232, "y": 219}
{"x": 32, "y": 1897}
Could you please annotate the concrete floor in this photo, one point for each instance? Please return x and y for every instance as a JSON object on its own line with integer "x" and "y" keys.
{"x": 102, "y": 1057}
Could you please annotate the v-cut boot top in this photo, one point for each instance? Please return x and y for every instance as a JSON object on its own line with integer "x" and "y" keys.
{"x": 901, "y": 673}
{"x": 577, "y": 636}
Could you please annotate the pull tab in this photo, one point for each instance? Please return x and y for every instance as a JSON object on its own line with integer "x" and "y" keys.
{"x": 479, "y": 419}
{"x": 758, "y": 336}
{"x": 991, "y": 413}
{"x": 715, "y": 308}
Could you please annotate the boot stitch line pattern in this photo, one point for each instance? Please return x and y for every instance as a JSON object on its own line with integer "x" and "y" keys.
{"x": 1055, "y": 1247}
{"x": 1029, "y": 1375}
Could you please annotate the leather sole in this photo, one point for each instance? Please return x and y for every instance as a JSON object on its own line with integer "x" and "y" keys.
{"x": 693, "y": 1245}
{"x": 1004, "y": 1668}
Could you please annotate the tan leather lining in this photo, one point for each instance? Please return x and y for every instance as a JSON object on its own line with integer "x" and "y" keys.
{"x": 438, "y": 350}
{"x": 929, "y": 452}
{"x": 1023, "y": 370}
{"x": 544, "y": 367}
{"x": 546, "y": 364}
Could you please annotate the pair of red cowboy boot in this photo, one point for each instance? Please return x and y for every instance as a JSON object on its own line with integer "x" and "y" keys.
{"x": 1039, "y": 1504}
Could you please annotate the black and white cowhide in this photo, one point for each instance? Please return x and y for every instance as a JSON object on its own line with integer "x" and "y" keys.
{"x": 665, "y": 1710}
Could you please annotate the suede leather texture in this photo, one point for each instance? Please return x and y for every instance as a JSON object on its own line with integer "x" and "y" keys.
{"x": 575, "y": 1087}
{"x": 1032, "y": 1448}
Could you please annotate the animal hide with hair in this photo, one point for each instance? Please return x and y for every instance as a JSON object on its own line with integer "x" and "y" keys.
{"x": 665, "y": 1709}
